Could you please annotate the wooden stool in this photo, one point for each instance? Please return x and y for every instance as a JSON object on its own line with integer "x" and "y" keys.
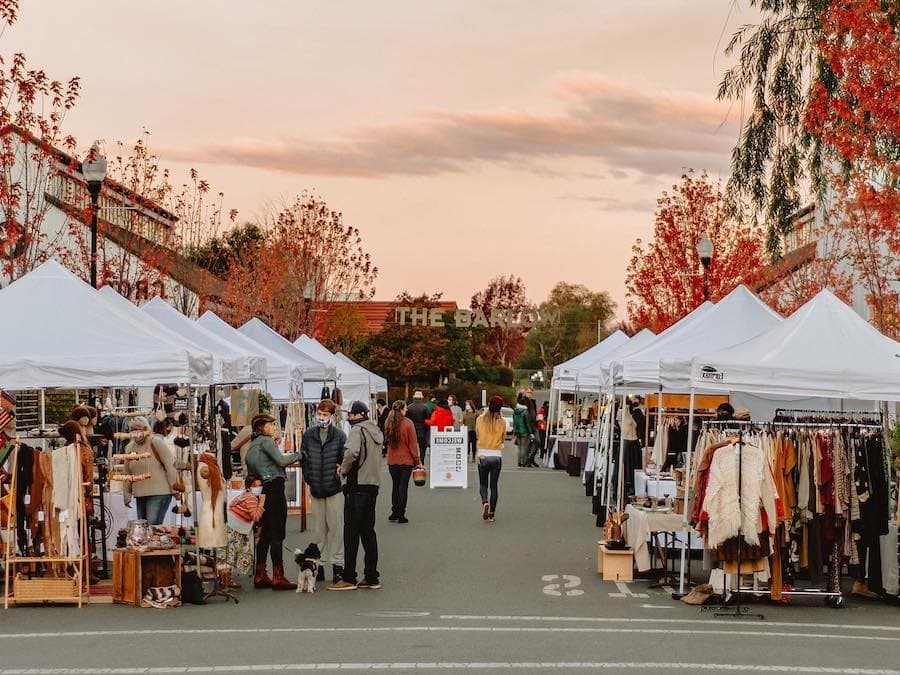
{"x": 613, "y": 564}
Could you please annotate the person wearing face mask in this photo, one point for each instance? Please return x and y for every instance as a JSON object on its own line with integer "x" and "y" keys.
{"x": 155, "y": 494}
{"x": 267, "y": 461}
{"x": 244, "y": 512}
{"x": 470, "y": 415}
{"x": 322, "y": 448}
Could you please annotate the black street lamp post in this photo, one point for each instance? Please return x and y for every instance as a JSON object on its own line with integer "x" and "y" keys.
{"x": 94, "y": 170}
{"x": 705, "y": 251}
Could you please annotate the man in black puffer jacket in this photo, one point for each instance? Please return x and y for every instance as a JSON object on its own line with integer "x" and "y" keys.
{"x": 322, "y": 450}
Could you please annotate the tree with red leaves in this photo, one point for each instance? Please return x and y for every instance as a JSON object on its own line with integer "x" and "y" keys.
{"x": 36, "y": 105}
{"x": 503, "y": 344}
{"x": 308, "y": 258}
{"x": 664, "y": 279}
{"x": 857, "y": 121}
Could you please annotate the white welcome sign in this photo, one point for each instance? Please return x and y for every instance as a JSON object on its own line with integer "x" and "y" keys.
{"x": 448, "y": 458}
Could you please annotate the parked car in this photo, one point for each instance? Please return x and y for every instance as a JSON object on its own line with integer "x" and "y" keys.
{"x": 507, "y": 414}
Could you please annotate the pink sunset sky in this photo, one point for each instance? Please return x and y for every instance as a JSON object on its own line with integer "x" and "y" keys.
{"x": 465, "y": 139}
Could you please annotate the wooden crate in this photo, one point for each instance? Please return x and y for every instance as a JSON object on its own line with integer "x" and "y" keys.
{"x": 615, "y": 565}
{"x": 135, "y": 571}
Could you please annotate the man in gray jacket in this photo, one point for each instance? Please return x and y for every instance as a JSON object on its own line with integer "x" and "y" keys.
{"x": 362, "y": 468}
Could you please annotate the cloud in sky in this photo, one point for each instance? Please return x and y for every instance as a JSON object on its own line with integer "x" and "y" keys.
{"x": 652, "y": 133}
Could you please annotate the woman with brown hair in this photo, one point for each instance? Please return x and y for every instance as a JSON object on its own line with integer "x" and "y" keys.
{"x": 265, "y": 460}
{"x": 403, "y": 457}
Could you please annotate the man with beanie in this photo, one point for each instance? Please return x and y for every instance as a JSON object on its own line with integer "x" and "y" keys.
{"x": 266, "y": 460}
{"x": 417, "y": 413}
{"x": 322, "y": 448}
{"x": 362, "y": 469}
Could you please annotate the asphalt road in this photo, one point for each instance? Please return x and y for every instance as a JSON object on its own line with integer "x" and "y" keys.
{"x": 521, "y": 594}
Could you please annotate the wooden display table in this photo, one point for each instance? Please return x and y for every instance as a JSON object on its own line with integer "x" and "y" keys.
{"x": 615, "y": 565}
{"x": 136, "y": 571}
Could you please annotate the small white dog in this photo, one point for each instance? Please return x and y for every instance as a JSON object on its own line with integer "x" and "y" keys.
{"x": 308, "y": 562}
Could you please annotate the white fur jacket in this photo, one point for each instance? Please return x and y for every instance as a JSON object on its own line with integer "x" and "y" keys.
{"x": 721, "y": 501}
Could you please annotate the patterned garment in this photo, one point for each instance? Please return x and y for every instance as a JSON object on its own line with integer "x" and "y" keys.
{"x": 239, "y": 553}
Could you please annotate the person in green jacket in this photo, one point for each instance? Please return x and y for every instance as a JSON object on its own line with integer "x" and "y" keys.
{"x": 525, "y": 430}
{"x": 265, "y": 460}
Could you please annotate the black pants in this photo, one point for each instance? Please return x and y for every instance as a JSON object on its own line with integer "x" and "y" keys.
{"x": 869, "y": 568}
{"x": 359, "y": 526}
{"x": 400, "y": 474}
{"x": 473, "y": 443}
{"x": 423, "y": 438}
{"x": 273, "y": 522}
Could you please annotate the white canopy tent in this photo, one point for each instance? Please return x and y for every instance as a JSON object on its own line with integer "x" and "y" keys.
{"x": 379, "y": 384}
{"x": 356, "y": 382}
{"x": 68, "y": 336}
{"x": 248, "y": 366}
{"x": 565, "y": 375}
{"x": 222, "y": 367}
{"x": 278, "y": 371}
{"x": 313, "y": 368}
{"x": 824, "y": 349}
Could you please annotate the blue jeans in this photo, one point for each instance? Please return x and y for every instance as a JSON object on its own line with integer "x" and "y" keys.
{"x": 489, "y": 470}
{"x": 153, "y": 508}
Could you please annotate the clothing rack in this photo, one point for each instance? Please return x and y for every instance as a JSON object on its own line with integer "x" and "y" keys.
{"x": 834, "y": 598}
{"x": 739, "y": 611}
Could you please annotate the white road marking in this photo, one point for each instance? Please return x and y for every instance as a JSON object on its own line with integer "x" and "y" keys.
{"x": 568, "y": 588}
{"x": 625, "y": 592}
{"x": 395, "y": 614}
{"x": 454, "y": 665}
{"x": 643, "y": 630}
{"x": 645, "y": 606}
{"x": 619, "y": 620}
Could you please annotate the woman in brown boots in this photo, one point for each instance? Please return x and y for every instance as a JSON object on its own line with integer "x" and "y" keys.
{"x": 265, "y": 460}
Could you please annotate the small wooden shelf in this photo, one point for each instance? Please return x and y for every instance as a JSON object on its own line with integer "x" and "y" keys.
{"x": 136, "y": 571}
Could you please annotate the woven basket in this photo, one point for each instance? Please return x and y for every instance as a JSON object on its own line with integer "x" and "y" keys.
{"x": 38, "y": 589}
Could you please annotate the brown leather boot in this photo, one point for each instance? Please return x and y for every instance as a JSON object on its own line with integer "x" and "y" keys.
{"x": 261, "y": 578}
{"x": 861, "y": 590}
{"x": 279, "y": 582}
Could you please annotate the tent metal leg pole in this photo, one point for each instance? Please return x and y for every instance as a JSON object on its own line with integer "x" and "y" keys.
{"x": 621, "y": 472}
{"x": 609, "y": 450}
{"x": 687, "y": 490}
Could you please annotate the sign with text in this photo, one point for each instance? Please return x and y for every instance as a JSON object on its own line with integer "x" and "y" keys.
{"x": 474, "y": 318}
{"x": 448, "y": 459}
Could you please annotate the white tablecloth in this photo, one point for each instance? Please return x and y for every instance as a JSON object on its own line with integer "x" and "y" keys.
{"x": 648, "y": 485}
{"x": 641, "y": 524}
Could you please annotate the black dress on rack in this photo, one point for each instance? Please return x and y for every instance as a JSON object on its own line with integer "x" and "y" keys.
{"x": 872, "y": 488}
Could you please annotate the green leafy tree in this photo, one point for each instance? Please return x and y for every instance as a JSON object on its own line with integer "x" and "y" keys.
{"x": 238, "y": 245}
{"x": 583, "y": 319}
{"x": 777, "y": 157}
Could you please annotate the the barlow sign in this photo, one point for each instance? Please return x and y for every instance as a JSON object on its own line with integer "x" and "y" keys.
{"x": 474, "y": 318}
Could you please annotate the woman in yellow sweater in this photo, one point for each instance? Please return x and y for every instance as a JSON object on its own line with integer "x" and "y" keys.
{"x": 490, "y": 430}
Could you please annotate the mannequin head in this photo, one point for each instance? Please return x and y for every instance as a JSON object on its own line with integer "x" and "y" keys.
{"x": 71, "y": 432}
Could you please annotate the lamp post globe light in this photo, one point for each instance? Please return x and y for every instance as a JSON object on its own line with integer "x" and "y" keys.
{"x": 705, "y": 251}
{"x": 93, "y": 168}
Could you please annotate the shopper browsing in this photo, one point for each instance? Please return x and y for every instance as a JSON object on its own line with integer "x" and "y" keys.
{"x": 402, "y": 457}
{"x": 265, "y": 460}
{"x": 417, "y": 413}
{"x": 525, "y": 431}
{"x": 470, "y": 415}
{"x": 490, "y": 430}
{"x": 362, "y": 469}
{"x": 322, "y": 448}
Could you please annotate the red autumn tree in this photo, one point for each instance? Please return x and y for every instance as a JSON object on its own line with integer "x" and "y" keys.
{"x": 33, "y": 107}
{"x": 664, "y": 279}
{"x": 308, "y": 259}
{"x": 503, "y": 344}
{"x": 857, "y": 120}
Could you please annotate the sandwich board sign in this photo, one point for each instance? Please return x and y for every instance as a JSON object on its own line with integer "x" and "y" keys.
{"x": 448, "y": 466}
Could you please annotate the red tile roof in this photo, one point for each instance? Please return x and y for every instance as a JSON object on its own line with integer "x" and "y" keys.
{"x": 377, "y": 312}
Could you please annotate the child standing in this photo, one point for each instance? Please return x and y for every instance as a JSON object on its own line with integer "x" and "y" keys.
{"x": 244, "y": 512}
